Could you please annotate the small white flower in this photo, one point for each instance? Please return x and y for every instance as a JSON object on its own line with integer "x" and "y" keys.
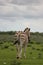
{"x": 4, "y": 63}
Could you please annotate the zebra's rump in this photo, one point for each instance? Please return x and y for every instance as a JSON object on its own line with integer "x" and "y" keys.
{"x": 23, "y": 37}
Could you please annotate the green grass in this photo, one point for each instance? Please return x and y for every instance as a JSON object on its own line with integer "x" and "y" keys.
{"x": 8, "y": 55}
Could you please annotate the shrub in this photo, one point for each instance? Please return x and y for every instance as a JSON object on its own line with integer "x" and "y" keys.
{"x": 38, "y": 49}
{"x": 33, "y": 48}
{"x": 30, "y": 52}
{"x": 29, "y": 45}
{"x": 31, "y": 42}
{"x": 1, "y": 42}
{"x": 39, "y": 55}
{"x": 41, "y": 49}
{"x": 6, "y": 46}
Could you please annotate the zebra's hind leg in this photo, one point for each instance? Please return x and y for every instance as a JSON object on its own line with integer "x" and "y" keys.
{"x": 25, "y": 51}
{"x": 17, "y": 48}
{"x": 20, "y": 51}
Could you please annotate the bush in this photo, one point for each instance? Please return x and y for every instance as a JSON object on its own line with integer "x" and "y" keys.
{"x": 39, "y": 55}
{"x": 41, "y": 49}
{"x": 38, "y": 49}
{"x": 1, "y": 42}
{"x": 29, "y": 45}
{"x": 33, "y": 48}
{"x": 6, "y": 46}
{"x": 32, "y": 42}
{"x": 30, "y": 52}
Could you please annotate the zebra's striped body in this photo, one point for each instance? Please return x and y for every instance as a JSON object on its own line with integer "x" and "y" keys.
{"x": 22, "y": 41}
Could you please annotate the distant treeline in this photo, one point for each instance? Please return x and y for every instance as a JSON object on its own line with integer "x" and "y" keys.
{"x": 9, "y": 36}
{"x": 8, "y": 32}
{"x": 37, "y": 33}
{"x": 13, "y": 32}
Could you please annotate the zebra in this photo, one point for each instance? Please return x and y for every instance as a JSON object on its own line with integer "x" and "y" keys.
{"x": 22, "y": 39}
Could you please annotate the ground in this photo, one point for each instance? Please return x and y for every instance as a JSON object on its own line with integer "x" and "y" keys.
{"x": 8, "y": 53}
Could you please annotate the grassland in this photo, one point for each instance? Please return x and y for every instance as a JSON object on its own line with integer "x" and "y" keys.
{"x": 34, "y": 55}
{"x": 8, "y": 52}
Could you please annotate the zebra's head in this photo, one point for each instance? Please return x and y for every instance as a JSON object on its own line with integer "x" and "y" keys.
{"x": 27, "y": 31}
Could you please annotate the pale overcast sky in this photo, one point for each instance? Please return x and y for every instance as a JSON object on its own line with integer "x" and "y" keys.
{"x": 19, "y": 14}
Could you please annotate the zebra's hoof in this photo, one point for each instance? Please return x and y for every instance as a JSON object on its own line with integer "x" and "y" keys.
{"x": 17, "y": 57}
